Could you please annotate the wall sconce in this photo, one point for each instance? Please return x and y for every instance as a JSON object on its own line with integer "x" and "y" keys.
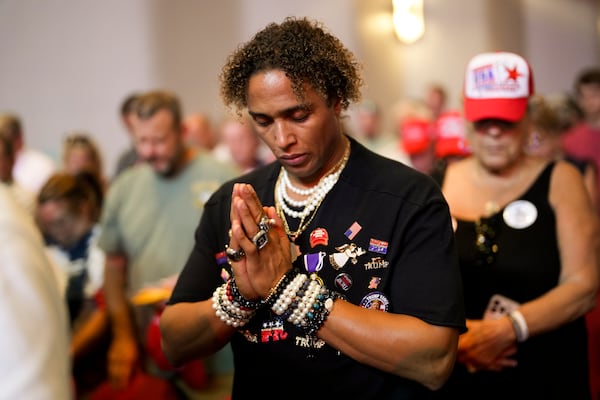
{"x": 408, "y": 19}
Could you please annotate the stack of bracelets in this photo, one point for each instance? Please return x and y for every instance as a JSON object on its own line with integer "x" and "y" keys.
{"x": 301, "y": 299}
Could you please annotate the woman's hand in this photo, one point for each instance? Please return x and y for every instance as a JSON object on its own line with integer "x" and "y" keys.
{"x": 487, "y": 344}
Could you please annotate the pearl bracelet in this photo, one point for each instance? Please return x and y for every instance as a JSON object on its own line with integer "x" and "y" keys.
{"x": 288, "y": 296}
{"x": 279, "y": 287}
{"x": 228, "y": 310}
{"x": 298, "y": 316}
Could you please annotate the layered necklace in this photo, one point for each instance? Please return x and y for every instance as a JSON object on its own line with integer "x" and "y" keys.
{"x": 306, "y": 209}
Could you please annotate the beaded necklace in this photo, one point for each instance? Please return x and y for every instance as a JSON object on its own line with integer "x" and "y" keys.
{"x": 310, "y": 205}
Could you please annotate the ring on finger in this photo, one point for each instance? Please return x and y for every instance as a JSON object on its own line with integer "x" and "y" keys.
{"x": 261, "y": 239}
{"x": 265, "y": 223}
{"x": 234, "y": 255}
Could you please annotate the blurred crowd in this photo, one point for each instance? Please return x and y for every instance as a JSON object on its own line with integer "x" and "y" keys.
{"x": 115, "y": 237}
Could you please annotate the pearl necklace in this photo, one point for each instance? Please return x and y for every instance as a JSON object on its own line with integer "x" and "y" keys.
{"x": 315, "y": 194}
{"x": 319, "y": 192}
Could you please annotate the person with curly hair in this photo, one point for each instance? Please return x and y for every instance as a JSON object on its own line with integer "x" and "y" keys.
{"x": 332, "y": 270}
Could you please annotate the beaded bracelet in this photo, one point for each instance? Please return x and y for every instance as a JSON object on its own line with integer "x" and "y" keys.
{"x": 228, "y": 310}
{"x": 279, "y": 287}
{"x": 304, "y": 302}
{"x": 288, "y": 295}
{"x": 297, "y": 317}
{"x": 225, "y": 309}
{"x": 239, "y": 298}
{"x": 321, "y": 309}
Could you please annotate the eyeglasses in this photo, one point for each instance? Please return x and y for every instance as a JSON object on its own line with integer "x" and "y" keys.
{"x": 485, "y": 240}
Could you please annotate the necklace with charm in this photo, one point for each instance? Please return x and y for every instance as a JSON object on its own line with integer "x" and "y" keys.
{"x": 306, "y": 209}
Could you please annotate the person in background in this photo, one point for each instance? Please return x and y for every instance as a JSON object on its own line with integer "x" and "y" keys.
{"x": 24, "y": 197}
{"x": 67, "y": 214}
{"x": 146, "y": 229}
{"x": 435, "y": 99}
{"x": 371, "y": 134}
{"x": 199, "y": 133}
{"x": 80, "y": 153}
{"x": 415, "y": 136}
{"x": 31, "y": 167}
{"x": 129, "y": 156}
{"x": 35, "y": 333}
{"x": 451, "y": 143}
{"x": 290, "y": 259}
{"x": 419, "y": 143}
{"x": 527, "y": 237}
{"x": 239, "y": 144}
{"x": 551, "y": 117}
{"x": 583, "y": 140}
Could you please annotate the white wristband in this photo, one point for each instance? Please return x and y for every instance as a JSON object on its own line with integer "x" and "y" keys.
{"x": 519, "y": 325}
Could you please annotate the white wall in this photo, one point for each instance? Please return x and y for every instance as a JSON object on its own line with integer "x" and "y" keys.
{"x": 67, "y": 64}
{"x": 561, "y": 40}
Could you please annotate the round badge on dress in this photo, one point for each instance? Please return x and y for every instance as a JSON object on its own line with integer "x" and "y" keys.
{"x": 520, "y": 214}
{"x": 375, "y": 301}
{"x": 343, "y": 281}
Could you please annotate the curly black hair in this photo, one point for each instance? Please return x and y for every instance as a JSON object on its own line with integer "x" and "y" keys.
{"x": 305, "y": 51}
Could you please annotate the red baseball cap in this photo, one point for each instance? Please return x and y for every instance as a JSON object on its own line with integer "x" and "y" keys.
{"x": 450, "y": 134}
{"x": 497, "y": 85}
{"x": 415, "y": 134}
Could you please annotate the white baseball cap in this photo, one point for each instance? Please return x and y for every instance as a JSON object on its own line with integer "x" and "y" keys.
{"x": 497, "y": 85}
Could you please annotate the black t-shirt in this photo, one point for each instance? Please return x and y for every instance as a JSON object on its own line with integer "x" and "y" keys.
{"x": 382, "y": 238}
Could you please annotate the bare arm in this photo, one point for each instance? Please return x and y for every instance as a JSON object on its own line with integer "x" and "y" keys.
{"x": 123, "y": 353}
{"x": 590, "y": 180}
{"x": 192, "y": 330}
{"x": 89, "y": 333}
{"x": 405, "y": 346}
{"x": 577, "y": 230}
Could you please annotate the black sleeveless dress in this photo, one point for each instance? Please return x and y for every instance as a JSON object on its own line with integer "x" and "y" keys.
{"x": 517, "y": 256}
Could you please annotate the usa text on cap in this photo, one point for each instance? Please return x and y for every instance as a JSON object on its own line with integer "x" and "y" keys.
{"x": 497, "y": 85}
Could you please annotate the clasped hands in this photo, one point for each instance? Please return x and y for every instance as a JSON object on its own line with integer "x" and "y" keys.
{"x": 259, "y": 249}
{"x": 486, "y": 346}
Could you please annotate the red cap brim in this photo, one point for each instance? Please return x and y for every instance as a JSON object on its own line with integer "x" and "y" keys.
{"x": 511, "y": 110}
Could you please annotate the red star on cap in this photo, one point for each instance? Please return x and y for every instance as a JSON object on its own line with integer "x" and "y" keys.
{"x": 513, "y": 73}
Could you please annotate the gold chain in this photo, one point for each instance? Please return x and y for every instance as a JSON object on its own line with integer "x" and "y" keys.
{"x": 303, "y": 225}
